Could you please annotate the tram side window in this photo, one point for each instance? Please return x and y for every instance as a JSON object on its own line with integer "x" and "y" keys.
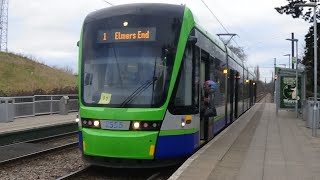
{"x": 186, "y": 96}
{"x": 219, "y": 78}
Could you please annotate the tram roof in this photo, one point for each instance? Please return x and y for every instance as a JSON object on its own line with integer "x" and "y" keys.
{"x": 216, "y": 40}
{"x": 160, "y": 9}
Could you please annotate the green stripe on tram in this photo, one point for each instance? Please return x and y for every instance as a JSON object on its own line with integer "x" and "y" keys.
{"x": 218, "y": 118}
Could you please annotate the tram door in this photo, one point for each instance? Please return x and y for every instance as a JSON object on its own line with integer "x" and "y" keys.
{"x": 236, "y": 94}
{"x": 232, "y": 96}
{"x": 204, "y": 75}
{"x": 250, "y": 93}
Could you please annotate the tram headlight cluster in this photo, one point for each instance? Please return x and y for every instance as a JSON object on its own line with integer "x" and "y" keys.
{"x": 90, "y": 123}
{"x": 145, "y": 125}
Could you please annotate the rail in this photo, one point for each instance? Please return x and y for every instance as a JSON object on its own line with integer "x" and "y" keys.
{"x": 94, "y": 172}
{"x": 37, "y": 153}
{"x": 76, "y": 173}
{"x": 26, "y": 106}
{"x": 260, "y": 96}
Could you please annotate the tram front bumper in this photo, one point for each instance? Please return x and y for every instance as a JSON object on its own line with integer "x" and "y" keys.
{"x": 118, "y": 144}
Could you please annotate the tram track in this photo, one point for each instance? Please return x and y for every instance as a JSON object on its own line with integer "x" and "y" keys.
{"x": 54, "y": 137}
{"x": 75, "y": 173}
{"x": 93, "y": 172}
{"x": 17, "y": 151}
{"x": 35, "y": 154}
{"x": 260, "y": 97}
{"x": 48, "y": 164}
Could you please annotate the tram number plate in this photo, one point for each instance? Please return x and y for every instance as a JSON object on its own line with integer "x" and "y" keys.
{"x": 116, "y": 125}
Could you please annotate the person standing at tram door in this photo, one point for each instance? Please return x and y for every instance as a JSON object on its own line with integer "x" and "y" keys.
{"x": 207, "y": 104}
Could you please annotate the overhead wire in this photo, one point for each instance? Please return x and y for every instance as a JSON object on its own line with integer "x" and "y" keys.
{"x": 108, "y": 2}
{"x": 228, "y": 31}
{"x": 218, "y": 21}
{"x": 215, "y": 16}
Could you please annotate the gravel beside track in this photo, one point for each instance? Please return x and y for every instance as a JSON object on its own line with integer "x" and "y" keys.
{"x": 48, "y": 166}
{"x": 102, "y": 173}
{"x": 59, "y": 141}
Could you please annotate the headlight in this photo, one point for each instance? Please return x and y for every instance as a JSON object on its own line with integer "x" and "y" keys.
{"x": 90, "y": 123}
{"x": 78, "y": 120}
{"x": 96, "y": 123}
{"x": 183, "y": 124}
{"x": 145, "y": 125}
{"x": 136, "y": 125}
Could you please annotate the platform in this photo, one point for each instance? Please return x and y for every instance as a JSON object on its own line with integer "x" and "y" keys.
{"x": 37, "y": 127}
{"x": 259, "y": 145}
{"x": 21, "y": 124}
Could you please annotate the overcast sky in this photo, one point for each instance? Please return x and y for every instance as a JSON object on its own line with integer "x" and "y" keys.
{"x": 48, "y": 30}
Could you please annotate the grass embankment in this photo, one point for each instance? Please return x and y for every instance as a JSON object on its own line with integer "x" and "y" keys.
{"x": 22, "y": 76}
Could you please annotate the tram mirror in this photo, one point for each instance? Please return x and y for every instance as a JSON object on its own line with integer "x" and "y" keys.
{"x": 78, "y": 43}
{"x": 192, "y": 39}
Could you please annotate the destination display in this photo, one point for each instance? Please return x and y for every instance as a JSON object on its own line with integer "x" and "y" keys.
{"x": 127, "y": 35}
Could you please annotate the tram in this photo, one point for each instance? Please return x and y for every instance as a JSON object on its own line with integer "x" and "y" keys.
{"x": 142, "y": 68}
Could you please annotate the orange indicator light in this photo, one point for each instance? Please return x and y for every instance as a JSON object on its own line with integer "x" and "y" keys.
{"x": 151, "y": 150}
{"x": 84, "y": 145}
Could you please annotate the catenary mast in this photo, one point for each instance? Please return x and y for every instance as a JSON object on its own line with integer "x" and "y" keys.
{"x": 4, "y": 4}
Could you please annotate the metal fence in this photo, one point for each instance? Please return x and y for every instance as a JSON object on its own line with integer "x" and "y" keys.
{"x": 25, "y": 106}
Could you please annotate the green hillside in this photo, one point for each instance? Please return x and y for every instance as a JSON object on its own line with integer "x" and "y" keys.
{"x": 22, "y": 76}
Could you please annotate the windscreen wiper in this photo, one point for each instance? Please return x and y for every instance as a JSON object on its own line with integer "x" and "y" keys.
{"x": 138, "y": 91}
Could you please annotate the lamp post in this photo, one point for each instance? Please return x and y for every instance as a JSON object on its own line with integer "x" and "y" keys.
{"x": 296, "y": 59}
{"x": 274, "y": 83}
{"x": 292, "y": 52}
{"x": 289, "y": 58}
{"x": 297, "y": 82}
{"x": 314, "y": 119}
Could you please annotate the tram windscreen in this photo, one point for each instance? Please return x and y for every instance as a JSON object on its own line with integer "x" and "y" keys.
{"x": 127, "y": 61}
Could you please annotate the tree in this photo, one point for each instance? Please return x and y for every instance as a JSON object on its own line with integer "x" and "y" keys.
{"x": 239, "y": 51}
{"x": 257, "y": 72}
{"x": 298, "y": 12}
{"x": 260, "y": 85}
{"x": 308, "y": 59}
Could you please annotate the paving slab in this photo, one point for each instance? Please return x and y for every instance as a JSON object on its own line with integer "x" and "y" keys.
{"x": 21, "y": 124}
{"x": 214, "y": 151}
{"x": 259, "y": 145}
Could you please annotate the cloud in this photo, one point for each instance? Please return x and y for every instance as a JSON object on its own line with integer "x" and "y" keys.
{"x": 50, "y": 29}
{"x": 261, "y": 30}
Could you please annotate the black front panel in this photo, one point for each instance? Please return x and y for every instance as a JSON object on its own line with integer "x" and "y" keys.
{"x": 128, "y": 54}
